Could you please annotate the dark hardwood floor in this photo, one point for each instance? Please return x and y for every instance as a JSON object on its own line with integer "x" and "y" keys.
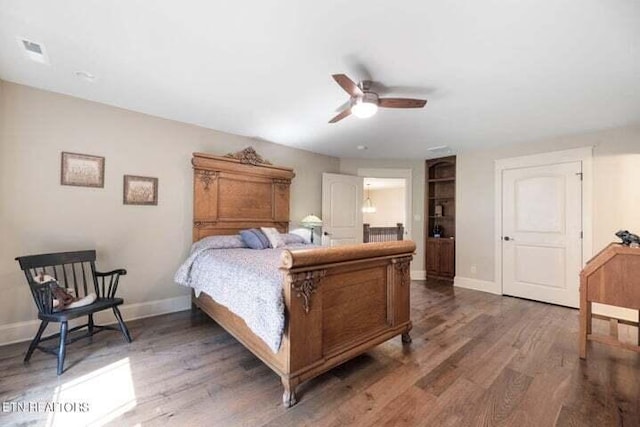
{"x": 476, "y": 359}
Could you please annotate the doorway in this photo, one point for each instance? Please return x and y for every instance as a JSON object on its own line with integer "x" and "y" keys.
{"x": 543, "y": 223}
{"x": 390, "y": 193}
{"x": 384, "y": 209}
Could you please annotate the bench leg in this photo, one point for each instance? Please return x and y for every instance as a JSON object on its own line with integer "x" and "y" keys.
{"x": 123, "y": 327}
{"x": 90, "y": 324}
{"x": 62, "y": 350}
{"x": 36, "y": 340}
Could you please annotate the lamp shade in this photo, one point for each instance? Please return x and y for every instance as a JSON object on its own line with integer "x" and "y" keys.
{"x": 311, "y": 221}
{"x": 368, "y": 206}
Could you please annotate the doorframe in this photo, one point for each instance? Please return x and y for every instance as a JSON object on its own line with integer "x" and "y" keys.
{"x": 582, "y": 154}
{"x": 405, "y": 174}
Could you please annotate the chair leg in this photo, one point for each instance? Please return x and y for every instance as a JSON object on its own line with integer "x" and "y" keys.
{"x": 36, "y": 340}
{"x": 123, "y": 327}
{"x": 64, "y": 327}
{"x": 90, "y": 324}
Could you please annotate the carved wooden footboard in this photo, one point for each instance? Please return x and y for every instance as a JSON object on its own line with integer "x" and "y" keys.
{"x": 339, "y": 301}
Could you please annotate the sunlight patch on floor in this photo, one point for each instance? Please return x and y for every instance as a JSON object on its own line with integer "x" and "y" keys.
{"x": 106, "y": 394}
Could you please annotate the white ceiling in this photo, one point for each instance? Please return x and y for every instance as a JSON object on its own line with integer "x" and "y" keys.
{"x": 494, "y": 72}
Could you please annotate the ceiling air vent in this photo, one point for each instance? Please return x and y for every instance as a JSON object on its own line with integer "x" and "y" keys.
{"x": 33, "y": 50}
{"x": 440, "y": 150}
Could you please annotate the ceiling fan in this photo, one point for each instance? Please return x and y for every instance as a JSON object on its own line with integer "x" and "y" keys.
{"x": 364, "y": 102}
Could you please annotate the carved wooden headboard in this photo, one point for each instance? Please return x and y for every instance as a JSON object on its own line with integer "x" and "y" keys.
{"x": 238, "y": 191}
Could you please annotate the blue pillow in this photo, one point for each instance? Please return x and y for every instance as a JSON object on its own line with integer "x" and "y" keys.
{"x": 293, "y": 239}
{"x": 219, "y": 242}
{"x": 255, "y": 239}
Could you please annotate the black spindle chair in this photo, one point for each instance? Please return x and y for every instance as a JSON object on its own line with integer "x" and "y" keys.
{"x": 75, "y": 270}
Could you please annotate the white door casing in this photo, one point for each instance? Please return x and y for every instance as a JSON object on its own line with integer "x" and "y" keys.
{"x": 542, "y": 232}
{"x": 341, "y": 209}
{"x": 584, "y": 155}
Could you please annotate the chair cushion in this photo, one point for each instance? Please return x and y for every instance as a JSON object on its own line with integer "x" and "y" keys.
{"x": 99, "y": 305}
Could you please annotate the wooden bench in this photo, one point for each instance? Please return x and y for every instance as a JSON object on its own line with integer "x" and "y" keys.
{"x": 77, "y": 271}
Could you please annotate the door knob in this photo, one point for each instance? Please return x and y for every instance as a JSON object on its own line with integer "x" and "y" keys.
{"x": 507, "y": 238}
{"x": 326, "y": 233}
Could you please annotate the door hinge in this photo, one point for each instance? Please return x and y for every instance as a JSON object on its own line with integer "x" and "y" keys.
{"x": 582, "y": 234}
{"x": 580, "y": 174}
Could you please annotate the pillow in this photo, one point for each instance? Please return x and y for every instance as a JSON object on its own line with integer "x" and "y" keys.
{"x": 293, "y": 239}
{"x": 219, "y": 242}
{"x": 274, "y": 237}
{"x": 254, "y": 238}
{"x": 89, "y": 299}
{"x": 68, "y": 296}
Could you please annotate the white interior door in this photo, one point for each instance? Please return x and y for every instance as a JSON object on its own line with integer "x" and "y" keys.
{"x": 542, "y": 232}
{"x": 341, "y": 209}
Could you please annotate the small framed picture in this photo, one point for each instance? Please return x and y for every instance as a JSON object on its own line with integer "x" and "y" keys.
{"x": 140, "y": 190}
{"x": 82, "y": 170}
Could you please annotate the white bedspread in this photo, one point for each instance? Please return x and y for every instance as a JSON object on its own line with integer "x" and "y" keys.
{"x": 246, "y": 281}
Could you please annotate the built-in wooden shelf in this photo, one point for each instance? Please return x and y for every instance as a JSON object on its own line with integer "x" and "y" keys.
{"x": 440, "y": 191}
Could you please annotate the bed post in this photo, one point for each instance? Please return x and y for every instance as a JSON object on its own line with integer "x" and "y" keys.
{"x": 289, "y": 396}
{"x": 303, "y": 300}
{"x": 402, "y": 288}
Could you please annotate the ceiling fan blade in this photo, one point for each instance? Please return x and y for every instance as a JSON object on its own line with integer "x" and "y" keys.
{"x": 342, "y": 115}
{"x": 401, "y": 103}
{"x": 347, "y": 84}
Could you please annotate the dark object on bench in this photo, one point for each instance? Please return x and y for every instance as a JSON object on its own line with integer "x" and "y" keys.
{"x": 628, "y": 238}
{"x": 75, "y": 270}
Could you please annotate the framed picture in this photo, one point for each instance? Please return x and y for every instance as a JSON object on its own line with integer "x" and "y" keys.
{"x": 82, "y": 170}
{"x": 140, "y": 190}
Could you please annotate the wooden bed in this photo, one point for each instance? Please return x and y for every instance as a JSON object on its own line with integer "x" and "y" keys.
{"x": 339, "y": 301}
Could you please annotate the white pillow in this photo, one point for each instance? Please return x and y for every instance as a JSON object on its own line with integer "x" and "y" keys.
{"x": 274, "y": 236}
{"x": 89, "y": 299}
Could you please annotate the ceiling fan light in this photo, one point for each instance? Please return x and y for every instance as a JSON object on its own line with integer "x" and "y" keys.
{"x": 364, "y": 109}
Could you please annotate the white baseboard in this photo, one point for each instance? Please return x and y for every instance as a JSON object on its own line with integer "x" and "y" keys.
{"x": 491, "y": 287}
{"x": 477, "y": 285}
{"x": 25, "y": 331}
{"x": 418, "y": 275}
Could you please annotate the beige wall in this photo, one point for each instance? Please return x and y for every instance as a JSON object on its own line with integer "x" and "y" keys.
{"x": 351, "y": 166}
{"x": 39, "y": 215}
{"x": 616, "y": 178}
{"x": 390, "y": 207}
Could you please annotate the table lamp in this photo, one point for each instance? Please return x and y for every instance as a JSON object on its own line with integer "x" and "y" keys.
{"x": 311, "y": 221}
